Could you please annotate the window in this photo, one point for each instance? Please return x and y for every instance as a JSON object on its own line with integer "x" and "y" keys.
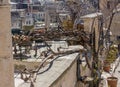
{"x": 26, "y": 22}
{"x": 29, "y": 22}
{"x": 28, "y": 14}
{"x": 108, "y": 4}
{"x": 41, "y": 14}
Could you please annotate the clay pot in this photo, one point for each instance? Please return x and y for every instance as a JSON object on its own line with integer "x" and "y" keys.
{"x": 106, "y": 67}
{"x": 112, "y": 81}
{"x": 106, "y": 62}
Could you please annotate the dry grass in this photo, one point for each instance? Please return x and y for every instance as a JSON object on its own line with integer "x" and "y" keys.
{"x": 21, "y": 65}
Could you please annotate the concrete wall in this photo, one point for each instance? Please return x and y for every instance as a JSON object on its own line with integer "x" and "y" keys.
{"x": 91, "y": 25}
{"x": 6, "y": 61}
{"x": 68, "y": 78}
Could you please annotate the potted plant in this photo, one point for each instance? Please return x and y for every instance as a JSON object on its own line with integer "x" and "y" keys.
{"x": 106, "y": 66}
{"x": 112, "y": 81}
{"x": 111, "y": 57}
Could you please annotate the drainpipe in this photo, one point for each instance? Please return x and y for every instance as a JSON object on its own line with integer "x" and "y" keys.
{"x": 79, "y": 62}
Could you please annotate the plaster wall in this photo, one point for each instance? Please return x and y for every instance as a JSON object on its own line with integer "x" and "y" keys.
{"x": 68, "y": 78}
{"x": 115, "y": 27}
{"x": 6, "y": 61}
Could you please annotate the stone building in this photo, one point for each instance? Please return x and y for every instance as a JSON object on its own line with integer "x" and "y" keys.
{"x": 6, "y": 60}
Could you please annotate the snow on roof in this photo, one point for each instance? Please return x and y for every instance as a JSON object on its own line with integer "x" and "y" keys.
{"x": 17, "y": 10}
{"x": 63, "y": 14}
{"x": 12, "y": 3}
{"x": 93, "y": 15}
